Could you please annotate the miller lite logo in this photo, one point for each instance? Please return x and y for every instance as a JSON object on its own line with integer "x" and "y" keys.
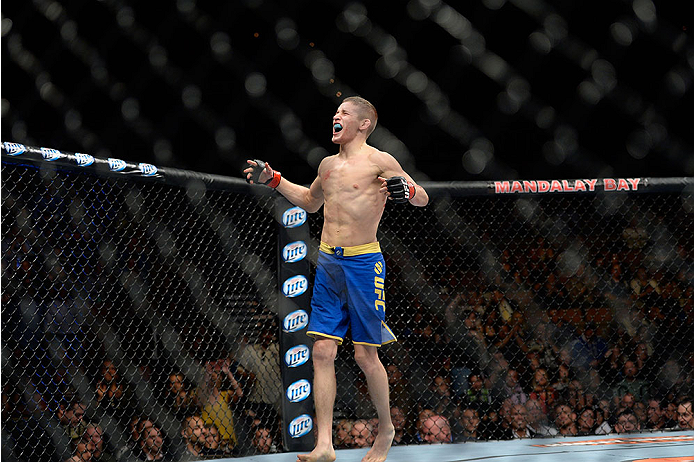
{"x": 299, "y": 391}
{"x": 295, "y": 321}
{"x": 116, "y": 165}
{"x": 147, "y": 169}
{"x": 294, "y": 251}
{"x": 14, "y": 149}
{"x": 50, "y": 154}
{"x": 296, "y": 356}
{"x": 300, "y": 426}
{"x": 293, "y": 217}
{"x": 83, "y": 160}
{"x": 295, "y": 286}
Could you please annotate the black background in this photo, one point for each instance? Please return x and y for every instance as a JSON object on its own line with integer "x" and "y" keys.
{"x": 79, "y": 112}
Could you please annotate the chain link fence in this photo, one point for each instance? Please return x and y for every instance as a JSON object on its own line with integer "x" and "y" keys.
{"x": 144, "y": 308}
{"x": 524, "y": 316}
{"x": 140, "y": 317}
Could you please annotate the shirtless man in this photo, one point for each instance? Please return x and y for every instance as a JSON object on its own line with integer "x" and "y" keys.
{"x": 353, "y": 186}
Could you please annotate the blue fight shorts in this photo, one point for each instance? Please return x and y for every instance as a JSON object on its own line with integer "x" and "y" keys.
{"x": 349, "y": 290}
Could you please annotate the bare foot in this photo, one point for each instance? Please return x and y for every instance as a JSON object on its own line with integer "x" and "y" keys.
{"x": 318, "y": 455}
{"x": 382, "y": 444}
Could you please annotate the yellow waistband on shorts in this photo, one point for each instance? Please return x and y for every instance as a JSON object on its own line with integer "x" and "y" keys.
{"x": 371, "y": 247}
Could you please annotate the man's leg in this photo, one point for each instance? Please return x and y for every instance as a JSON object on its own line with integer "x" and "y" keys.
{"x": 377, "y": 379}
{"x": 324, "y": 390}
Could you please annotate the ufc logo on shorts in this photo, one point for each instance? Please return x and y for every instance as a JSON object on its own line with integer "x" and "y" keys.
{"x": 380, "y": 293}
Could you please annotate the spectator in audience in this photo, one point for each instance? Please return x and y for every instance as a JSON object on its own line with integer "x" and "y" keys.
{"x": 565, "y": 420}
{"x": 542, "y": 391}
{"x": 262, "y": 359}
{"x": 627, "y": 401}
{"x": 439, "y": 397}
{"x": 630, "y": 382}
{"x": 477, "y": 394}
{"x": 640, "y": 411}
{"x": 469, "y": 425}
{"x": 179, "y": 397}
{"x": 611, "y": 365}
{"x": 645, "y": 363}
{"x": 421, "y": 417}
{"x": 574, "y": 395}
{"x": 501, "y": 304}
{"x": 111, "y": 391}
{"x": 670, "y": 411}
{"x": 374, "y": 424}
{"x": 362, "y": 434}
{"x": 263, "y": 442}
{"x": 70, "y": 413}
{"x": 133, "y": 451}
{"x": 491, "y": 424}
{"x": 402, "y": 434}
{"x": 82, "y": 453}
{"x": 131, "y": 446}
{"x": 627, "y": 422}
{"x": 655, "y": 415}
{"x": 643, "y": 287}
{"x": 564, "y": 376}
{"x": 532, "y": 364}
{"x": 436, "y": 430}
{"x": 214, "y": 446}
{"x": 152, "y": 444}
{"x": 685, "y": 418}
{"x": 94, "y": 435}
{"x": 511, "y": 388}
{"x": 496, "y": 373}
{"x": 586, "y": 423}
{"x": 542, "y": 344}
{"x": 425, "y": 345}
{"x": 342, "y": 435}
{"x": 588, "y": 350}
{"x": 537, "y": 418}
{"x": 491, "y": 325}
{"x": 519, "y": 423}
{"x": 595, "y": 387}
{"x": 511, "y": 339}
{"x": 400, "y": 394}
{"x": 194, "y": 435}
{"x": 602, "y": 417}
{"x": 467, "y": 345}
{"x": 217, "y": 403}
{"x": 615, "y": 288}
{"x": 505, "y": 418}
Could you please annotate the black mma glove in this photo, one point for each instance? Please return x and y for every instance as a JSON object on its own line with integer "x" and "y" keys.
{"x": 401, "y": 190}
{"x": 274, "y": 180}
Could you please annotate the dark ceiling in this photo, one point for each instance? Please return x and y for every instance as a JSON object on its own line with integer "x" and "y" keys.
{"x": 466, "y": 90}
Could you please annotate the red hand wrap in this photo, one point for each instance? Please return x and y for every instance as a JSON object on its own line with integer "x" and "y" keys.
{"x": 276, "y": 178}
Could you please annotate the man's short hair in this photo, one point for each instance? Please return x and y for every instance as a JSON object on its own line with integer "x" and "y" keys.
{"x": 628, "y": 412}
{"x": 366, "y": 111}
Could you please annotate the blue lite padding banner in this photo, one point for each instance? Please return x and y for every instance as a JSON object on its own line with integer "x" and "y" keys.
{"x": 294, "y": 310}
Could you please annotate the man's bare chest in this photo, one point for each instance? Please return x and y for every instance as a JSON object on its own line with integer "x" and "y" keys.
{"x": 348, "y": 177}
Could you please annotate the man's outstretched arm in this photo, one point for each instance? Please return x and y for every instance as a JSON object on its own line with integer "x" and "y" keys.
{"x": 309, "y": 199}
